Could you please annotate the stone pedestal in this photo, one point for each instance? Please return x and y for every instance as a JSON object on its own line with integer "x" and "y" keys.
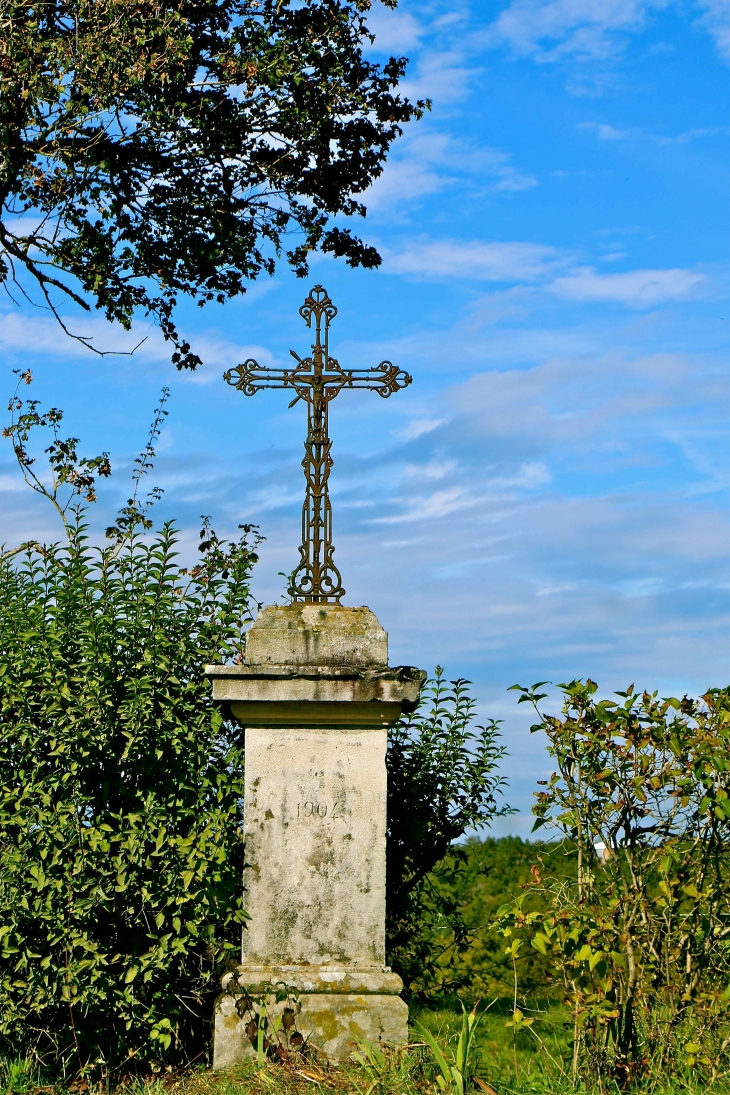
{"x": 316, "y": 697}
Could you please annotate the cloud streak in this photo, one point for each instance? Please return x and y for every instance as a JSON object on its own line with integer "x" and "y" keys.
{"x": 635, "y": 288}
{"x": 23, "y": 334}
{"x": 716, "y": 19}
{"x": 514, "y": 261}
{"x": 536, "y": 264}
{"x": 593, "y": 30}
{"x": 395, "y": 31}
{"x": 432, "y": 161}
{"x": 550, "y": 30}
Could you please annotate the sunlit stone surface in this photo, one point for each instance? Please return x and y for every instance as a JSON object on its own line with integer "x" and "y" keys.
{"x": 316, "y": 697}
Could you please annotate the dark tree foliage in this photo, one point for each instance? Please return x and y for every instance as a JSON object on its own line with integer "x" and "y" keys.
{"x": 152, "y": 148}
{"x": 442, "y": 782}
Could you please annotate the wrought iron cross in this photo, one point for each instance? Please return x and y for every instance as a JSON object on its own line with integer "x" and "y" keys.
{"x": 317, "y": 380}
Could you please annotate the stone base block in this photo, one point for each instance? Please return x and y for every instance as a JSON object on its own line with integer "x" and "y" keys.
{"x": 328, "y": 1012}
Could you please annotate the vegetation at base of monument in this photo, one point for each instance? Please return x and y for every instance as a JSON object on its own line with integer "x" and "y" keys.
{"x": 120, "y": 782}
{"x": 442, "y": 782}
{"x": 405, "y": 1072}
{"x": 155, "y": 148}
{"x": 456, "y": 1070}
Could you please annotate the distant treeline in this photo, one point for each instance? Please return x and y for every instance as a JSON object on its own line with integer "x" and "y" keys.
{"x": 463, "y": 897}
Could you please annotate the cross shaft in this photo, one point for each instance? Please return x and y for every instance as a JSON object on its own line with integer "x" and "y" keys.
{"x": 317, "y": 380}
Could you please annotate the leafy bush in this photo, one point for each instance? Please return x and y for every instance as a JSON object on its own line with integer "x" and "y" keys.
{"x": 120, "y": 795}
{"x": 442, "y": 782}
{"x": 640, "y": 939}
{"x": 121, "y": 784}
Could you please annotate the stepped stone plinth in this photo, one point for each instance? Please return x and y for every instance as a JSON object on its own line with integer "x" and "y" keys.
{"x": 316, "y": 698}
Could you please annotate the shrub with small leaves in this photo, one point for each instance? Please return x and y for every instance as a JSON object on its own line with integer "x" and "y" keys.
{"x": 443, "y": 781}
{"x": 640, "y": 938}
{"x": 120, "y": 796}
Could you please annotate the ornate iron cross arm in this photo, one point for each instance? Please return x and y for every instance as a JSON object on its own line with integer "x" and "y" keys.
{"x": 317, "y": 380}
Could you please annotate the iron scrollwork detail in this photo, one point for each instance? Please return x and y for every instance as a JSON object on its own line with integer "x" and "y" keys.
{"x": 317, "y": 380}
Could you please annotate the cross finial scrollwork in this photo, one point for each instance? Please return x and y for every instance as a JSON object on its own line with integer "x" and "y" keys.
{"x": 317, "y": 380}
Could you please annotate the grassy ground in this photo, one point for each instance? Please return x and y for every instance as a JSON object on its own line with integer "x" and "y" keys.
{"x": 506, "y": 1058}
{"x": 405, "y": 1079}
{"x": 536, "y": 1060}
{"x": 526, "y": 1062}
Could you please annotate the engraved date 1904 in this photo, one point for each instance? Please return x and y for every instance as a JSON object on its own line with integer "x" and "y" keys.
{"x": 333, "y": 811}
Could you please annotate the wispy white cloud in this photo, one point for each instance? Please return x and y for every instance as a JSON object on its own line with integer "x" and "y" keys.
{"x": 420, "y": 166}
{"x": 585, "y": 29}
{"x": 432, "y": 470}
{"x": 605, "y": 132}
{"x": 575, "y": 401}
{"x": 717, "y": 20}
{"x": 481, "y": 261}
{"x": 219, "y": 354}
{"x": 25, "y": 335}
{"x": 590, "y": 30}
{"x": 492, "y": 488}
{"x": 418, "y": 427}
{"x": 12, "y": 483}
{"x": 693, "y": 135}
{"x": 443, "y": 76}
{"x": 426, "y": 507}
{"x": 34, "y": 332}
{"x": 536, "y": 265}
{"x": 427, "y": 162}
{"x": 635, "y": 288}
{"x": 395, "y": 31}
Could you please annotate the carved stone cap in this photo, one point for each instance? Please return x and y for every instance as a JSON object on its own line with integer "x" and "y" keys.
{"x": 406, "y": 674}
{"x": 303, "y": 634}
{"x": 316, "y": 665}
{"x": 316, "y": 695}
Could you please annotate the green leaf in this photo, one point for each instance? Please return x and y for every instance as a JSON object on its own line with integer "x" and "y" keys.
{"x": 443, "y": 1065}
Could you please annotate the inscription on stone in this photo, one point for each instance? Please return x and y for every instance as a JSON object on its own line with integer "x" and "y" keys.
{"x": 333, "y": 810}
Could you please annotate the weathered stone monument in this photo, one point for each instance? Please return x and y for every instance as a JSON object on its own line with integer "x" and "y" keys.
{"x": 316, "y": 698}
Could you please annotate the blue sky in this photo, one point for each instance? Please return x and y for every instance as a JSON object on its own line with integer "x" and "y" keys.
{"x": 550, "y": 498}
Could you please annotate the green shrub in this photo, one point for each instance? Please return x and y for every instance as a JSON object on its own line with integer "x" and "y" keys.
{"x": 638, "y": 940}
{"x": 442, "y": 782}
{"x": 120, "y": 795}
